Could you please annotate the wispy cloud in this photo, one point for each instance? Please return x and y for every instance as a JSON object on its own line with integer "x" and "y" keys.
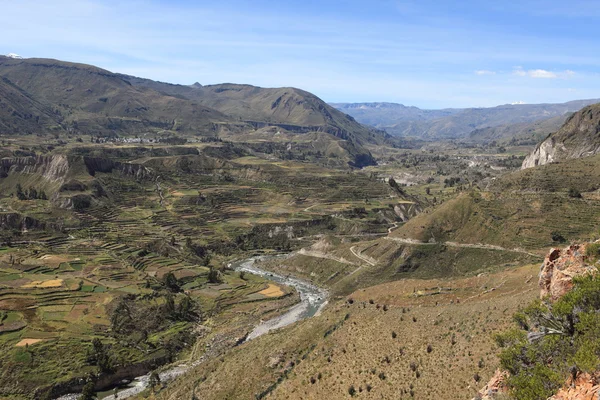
{"x": 542, "y": 73}
{"x": 481, "y": 72}
{"x": 439, "y": 56}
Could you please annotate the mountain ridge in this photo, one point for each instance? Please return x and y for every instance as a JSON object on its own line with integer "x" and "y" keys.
{"x": 85, "y": 98}
{"x": 456, "y": 123}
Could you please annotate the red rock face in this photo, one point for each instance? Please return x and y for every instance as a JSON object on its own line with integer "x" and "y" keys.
{"x": 585, "y": 387}
{"x": 559, "y": 269}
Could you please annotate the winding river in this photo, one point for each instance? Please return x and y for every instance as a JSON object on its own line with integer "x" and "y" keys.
{"x": 312, "y": 301}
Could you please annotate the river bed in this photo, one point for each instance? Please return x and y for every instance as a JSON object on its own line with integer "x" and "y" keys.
{"x": 312, "y": 301}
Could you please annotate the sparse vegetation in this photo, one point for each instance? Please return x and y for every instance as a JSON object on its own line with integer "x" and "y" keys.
{"x": 565, "y": 332}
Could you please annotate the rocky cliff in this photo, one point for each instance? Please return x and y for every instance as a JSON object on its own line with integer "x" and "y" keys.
{"x": 52, "y": 168}
{"x": 559, "y": 268}
{"x": 19, "y": 222}
{"x": 57, "y": 168}
{"x": 578, "y": 137}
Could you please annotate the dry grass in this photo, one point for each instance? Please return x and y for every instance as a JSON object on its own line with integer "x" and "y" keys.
{"x": 272, "y": 291}
{"x": 28, "y": 342}
{"x": 53, "y": 283}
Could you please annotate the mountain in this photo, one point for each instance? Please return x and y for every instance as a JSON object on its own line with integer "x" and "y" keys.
{"x": 293, "y": 109}
{"x": 85, "y": 99}
{"x": 96, "y": 101}
{"x": 388, "y": 114}
{"x": 399, "y": 120}
{"x": 523, "y": 133}
{"x": 578, "y": 137}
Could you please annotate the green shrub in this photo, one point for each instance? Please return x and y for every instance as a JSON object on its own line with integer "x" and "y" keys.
{"x": 574, "y": 193}
{"x": 593, "y": 250}
{"x": 553, "y": 341}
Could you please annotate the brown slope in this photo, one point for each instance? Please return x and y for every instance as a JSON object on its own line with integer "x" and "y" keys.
{"x": 21, "y": 114}
{"x": 99, "y": 101}
{"x": 292, "y": 108}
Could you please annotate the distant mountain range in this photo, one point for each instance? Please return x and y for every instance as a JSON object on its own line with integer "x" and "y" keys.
{"x": 45, "y": 95}
{"x": 501, "y": 122}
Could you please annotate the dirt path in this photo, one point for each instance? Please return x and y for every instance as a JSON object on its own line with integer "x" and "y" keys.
{"x": 391, "y": 228}
{"x": 318, "y": 254}
{"x": 461, "y": 245}
{"x": 366, "y": 259}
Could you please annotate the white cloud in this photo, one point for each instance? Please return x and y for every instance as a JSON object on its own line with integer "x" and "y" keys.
{"x": 484, "y": 72}
{"x": 542, "y": 73}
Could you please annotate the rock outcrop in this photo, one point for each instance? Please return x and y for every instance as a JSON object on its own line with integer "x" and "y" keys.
{"x": 578, "y": 137}
{"x": 19, "y": 222}
{"x": 585, "y": 387}
{"x": 52, "y": 168}
{"x": 57, "y": 168}
{"x": 559, "y": 268}
{"x": 556, "y": 279}
{"x": 496, "y": 386}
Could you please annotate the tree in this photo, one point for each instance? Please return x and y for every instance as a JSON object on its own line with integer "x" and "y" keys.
{"x": 214, "y": 276}
{"x": 20, "y": 193}
{"x": 88, "y": 392}
{"x": 33, "y": 194}
{"x": 169, "y": 307}
{"x": 153, "y": 380}
{"x": 186, "y": 309}
{"x": 171, "y": 282}
{"x": 99, "y": 355}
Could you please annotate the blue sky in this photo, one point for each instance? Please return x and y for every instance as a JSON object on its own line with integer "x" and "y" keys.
{"x": 430, "y": 54}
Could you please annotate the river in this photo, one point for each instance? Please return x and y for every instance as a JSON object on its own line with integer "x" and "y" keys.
{"x": 312, "y": 301}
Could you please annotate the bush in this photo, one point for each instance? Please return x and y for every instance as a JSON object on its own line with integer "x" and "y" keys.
{"x": 558, "y": 237}
{"x": 593, "y": 250}
{"x": 553, "y": 341}
{"x": 574, "y": 193}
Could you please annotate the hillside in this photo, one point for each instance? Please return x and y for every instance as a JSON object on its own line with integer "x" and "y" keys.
{"x": 86, "y": 100}
{"x": 21, "y": 114}
{"x": 578, "y": 137}
{"x": 457, "y": 123}
{"x": 523, "y": 133}
{"x": 291, "y": 108}
{"x": 96, "y": 101}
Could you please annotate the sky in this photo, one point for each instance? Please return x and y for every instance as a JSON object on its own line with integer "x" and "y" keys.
{"x": 430, "y": 54}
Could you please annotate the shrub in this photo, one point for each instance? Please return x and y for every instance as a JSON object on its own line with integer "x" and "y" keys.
{"x": 553, "y": 341}
{"x": 574, "y": 193}
{"x": 351, "y": 390}
{"x": 214, "y": 276}
{"x": 593, "y": 250}
{"x": 558, "y": 237}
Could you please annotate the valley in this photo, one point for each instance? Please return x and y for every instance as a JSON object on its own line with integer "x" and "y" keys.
{"x": 229, "y": 241}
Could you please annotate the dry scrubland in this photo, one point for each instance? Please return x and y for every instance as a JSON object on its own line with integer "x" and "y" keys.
{"x": 431, "y": 338}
